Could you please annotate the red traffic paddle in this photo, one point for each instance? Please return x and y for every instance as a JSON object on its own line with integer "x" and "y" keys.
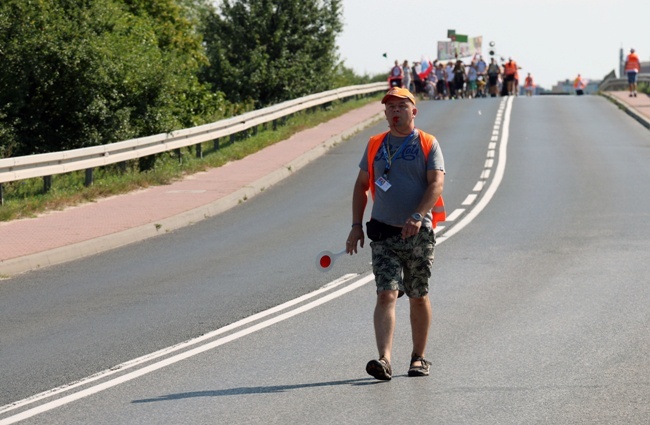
{"x": 325, "y": 260}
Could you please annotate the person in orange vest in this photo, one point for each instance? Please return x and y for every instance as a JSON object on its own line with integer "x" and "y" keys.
{"x": 529, "y": 85}
{"x": 404, "y": 170}
{"x": 510, "y": 72}
{"x": 579, "y": 84}
{"x": 632, "y": 69}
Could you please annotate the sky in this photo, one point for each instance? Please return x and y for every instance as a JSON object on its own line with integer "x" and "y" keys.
{"x": 553, "y": 40}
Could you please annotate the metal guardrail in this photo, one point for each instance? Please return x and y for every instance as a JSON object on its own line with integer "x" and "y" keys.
{"x": 612, "y": 84}
{"x": 49, "y": 164}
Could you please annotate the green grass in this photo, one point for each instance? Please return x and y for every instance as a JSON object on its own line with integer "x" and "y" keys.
{"x": 26, "y": 198}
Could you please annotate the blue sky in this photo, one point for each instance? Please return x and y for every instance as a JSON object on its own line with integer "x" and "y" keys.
{"x": 552, "y": 39}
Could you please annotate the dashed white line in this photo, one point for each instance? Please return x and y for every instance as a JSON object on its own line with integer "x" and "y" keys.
{"x": 494, "y": 184}
{"x": 470, "y": 199}
{"x": 455, "y": 214}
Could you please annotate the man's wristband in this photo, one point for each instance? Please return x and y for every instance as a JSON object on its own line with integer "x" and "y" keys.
{"x": 357, "y": 224}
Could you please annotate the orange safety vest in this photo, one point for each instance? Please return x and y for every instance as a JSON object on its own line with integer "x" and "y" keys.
{"x": 426, "y": 142}
{"x": 510, "y": 68}
{"x": 579, "y": 84}
{"x": 632, "y": 63}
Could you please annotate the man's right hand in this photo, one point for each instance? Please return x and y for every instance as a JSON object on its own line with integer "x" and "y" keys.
{"x": 356, "y": 236}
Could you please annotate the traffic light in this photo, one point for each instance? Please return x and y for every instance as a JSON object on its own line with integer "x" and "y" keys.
{"x": 491, "y": 48}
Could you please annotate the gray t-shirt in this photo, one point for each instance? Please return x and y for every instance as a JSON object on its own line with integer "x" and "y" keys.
{"x": 407, "y": 177}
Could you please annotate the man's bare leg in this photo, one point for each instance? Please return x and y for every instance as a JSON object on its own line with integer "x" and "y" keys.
{"x": 384, "y": 319}
{"x": 420, "y": 323}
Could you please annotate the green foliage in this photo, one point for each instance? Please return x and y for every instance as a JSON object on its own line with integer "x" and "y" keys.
{"x": 78, "y": 73}
{"x": 83, "y": 73}
{"x": 644, "y": 88}
{"x": 269, "y": 51}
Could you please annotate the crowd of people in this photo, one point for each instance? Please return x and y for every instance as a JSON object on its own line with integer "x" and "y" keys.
{"x": 456, "y": 79}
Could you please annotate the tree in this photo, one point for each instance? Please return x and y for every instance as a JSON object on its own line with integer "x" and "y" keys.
{"x": 78, "y": 73}
{"x": 270, "y": 51}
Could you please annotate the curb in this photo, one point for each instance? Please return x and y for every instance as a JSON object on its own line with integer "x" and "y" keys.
{"x": 90, "y": 247}
{"x": 631, "y": 111}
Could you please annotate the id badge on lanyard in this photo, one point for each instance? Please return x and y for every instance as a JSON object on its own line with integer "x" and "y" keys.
{"x": 382, "y": 182}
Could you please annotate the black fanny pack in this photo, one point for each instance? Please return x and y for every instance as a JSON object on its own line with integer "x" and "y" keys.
{"x": 378, "y": 231}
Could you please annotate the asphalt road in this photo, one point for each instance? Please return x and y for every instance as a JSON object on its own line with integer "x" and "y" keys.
{"x": 540, "y": 295}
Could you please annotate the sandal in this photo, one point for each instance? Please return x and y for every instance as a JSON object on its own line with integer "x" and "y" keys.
{"x": 422, "y": 369}
{"x": 380, "y": 369}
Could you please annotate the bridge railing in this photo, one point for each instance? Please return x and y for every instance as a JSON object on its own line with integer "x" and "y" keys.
{"x": 49, "y": 164}
{"x": 615, "y": 84}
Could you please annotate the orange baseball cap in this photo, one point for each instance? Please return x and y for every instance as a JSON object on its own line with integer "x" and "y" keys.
{"x": 399, "y": 92}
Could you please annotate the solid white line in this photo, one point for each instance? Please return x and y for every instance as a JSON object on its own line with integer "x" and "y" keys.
{"x": 168, "y": 350}
{"x": 496, "y": 181}
{"x": 182, "y": 356}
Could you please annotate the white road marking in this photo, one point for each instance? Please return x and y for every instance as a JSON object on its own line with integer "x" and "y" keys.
{"x": 454, "y": 215}
{"x": 166, "y": 351}
{"x": 473, "y": 213}
{"x": 470, "y": 199}
{"x": 494, "y": 184}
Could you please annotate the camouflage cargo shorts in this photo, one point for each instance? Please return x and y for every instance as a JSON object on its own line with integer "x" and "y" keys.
{"x": 404, "y": 265}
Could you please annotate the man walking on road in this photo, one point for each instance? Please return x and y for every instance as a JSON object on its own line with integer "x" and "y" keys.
{"x": 404, "y": 170}
{"x": 632, "y": 69}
